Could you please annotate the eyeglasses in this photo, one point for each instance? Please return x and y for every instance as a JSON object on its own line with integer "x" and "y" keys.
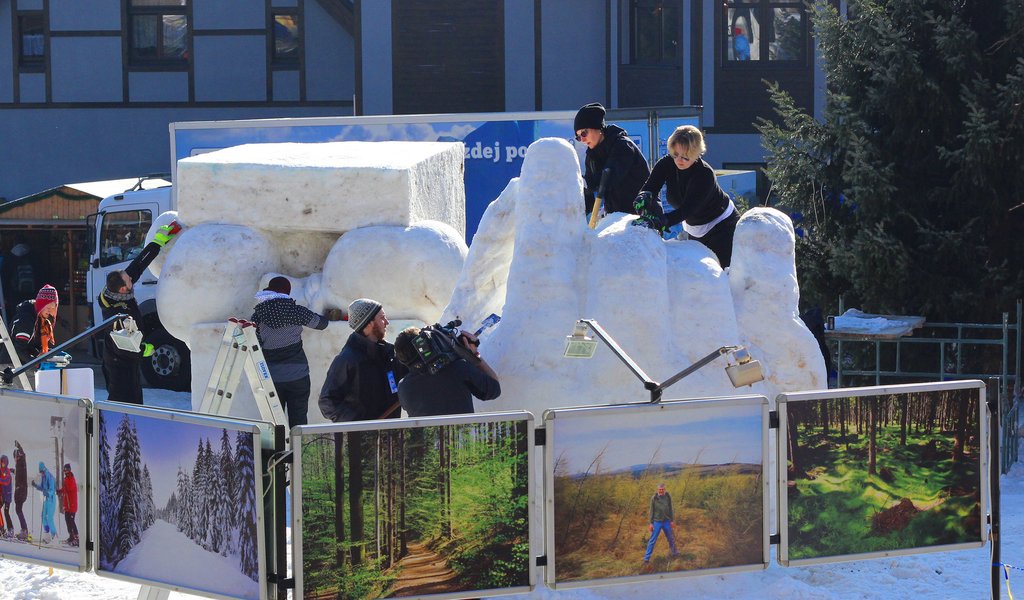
{"x": 582, "y": 134}
{"x": 678, "y": 156}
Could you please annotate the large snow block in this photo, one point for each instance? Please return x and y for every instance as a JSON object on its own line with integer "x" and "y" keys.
{"x": 328, "y": 187}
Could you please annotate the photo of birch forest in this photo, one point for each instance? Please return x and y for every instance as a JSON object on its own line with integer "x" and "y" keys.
{"x": 883, "y": 473}
{"x": 415, "y": 511}
{"x": 608, "y": 468}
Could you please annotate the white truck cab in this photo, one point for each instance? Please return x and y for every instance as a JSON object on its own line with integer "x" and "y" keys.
{"x": 118, "y": 234}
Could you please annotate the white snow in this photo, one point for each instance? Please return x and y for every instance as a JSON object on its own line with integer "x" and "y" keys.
{"x": 332, "y": 187}
{"x": 667, "y": 304}
{"x": 164, "y": 554}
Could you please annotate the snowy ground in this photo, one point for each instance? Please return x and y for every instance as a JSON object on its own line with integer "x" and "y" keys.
{"x": 935, "y": 576}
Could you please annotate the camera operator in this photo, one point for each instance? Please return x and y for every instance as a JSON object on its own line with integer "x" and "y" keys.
{"x": 450, "y": 390}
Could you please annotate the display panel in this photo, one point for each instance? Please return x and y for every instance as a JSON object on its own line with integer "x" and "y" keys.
{"x": 413, "y": 508}
{"x": 43, "y": 508}
{"x": 180, "y": 500}
{"x": 645, "y": 491}
{"x": 882, "y": 471}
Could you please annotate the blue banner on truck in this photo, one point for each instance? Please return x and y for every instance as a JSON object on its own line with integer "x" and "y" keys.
{"x": 495, "y": 143}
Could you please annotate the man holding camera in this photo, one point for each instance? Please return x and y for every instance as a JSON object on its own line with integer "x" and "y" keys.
{"x": 450, "y": 390}
{"x": 362, "y": 382}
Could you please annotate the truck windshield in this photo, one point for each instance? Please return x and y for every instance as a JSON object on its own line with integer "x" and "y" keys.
{"x": 122, "y": 235}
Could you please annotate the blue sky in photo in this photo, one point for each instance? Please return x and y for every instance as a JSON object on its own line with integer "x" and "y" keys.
{"x": 702, "y": 435}
{"x": 166, "y": 445}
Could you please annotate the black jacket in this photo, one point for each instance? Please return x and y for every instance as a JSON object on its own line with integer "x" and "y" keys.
{"x": 25, "y": 332}
{"x": 357, "y": 387}
{"x": 694, "y": 193}
{"x": 110, "y": 306}
{"x": 279, "y": 322}
{"x": 628, "y": 166}
{"x": 450, "y": 391}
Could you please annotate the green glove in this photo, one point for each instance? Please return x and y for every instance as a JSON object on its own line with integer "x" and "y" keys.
{"x": 167, "y": 233}
{"x": 147, "y": 349}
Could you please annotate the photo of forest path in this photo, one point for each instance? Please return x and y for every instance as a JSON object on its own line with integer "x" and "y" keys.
{"x": 883, "y": 473}
{"x": 607, "y": 474}
{"x": 417, "y": 511}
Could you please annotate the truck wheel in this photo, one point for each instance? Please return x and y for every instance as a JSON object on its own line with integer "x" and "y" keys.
{"x": 170, "y": 365}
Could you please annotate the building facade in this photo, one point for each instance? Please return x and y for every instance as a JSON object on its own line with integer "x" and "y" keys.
{"x": 88, "y": 87}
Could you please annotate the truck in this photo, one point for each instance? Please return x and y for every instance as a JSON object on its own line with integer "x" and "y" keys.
{"x": 495, "y": 145}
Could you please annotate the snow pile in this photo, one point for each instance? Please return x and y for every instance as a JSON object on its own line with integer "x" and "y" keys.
{"x": 340, "y": 220}
{"x": 667, "y": 304}
{"x": 332, "y": 187}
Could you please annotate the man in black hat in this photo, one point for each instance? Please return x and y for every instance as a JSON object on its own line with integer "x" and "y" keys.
{"x": 279, "y": 322}
{"x": 362, "y": 382}
{"x": 609, "y": 147}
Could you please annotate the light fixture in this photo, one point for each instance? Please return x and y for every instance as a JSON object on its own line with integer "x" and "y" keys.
{"x": 744, "y": 371}
{"x": 579, "y": 344}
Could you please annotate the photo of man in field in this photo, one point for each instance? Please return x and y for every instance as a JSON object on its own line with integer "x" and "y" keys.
{"x": 882, "y": 473}
{"x": 661, "y": 521}
{"x": 704, "y": 464}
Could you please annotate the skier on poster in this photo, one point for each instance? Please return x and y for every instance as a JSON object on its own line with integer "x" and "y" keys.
{"x": 69, "y": 498}
{"x": 20, "y": 489}
{"x": 47, "y": 486}
{"x": 6, "y": 494}
{"x": 661, "y": 520}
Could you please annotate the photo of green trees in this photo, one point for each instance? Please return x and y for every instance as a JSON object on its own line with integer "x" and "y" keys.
{"x": 883, "y": 473}
{"x": 415, "y": 511}
{"x": 637, "y": 493}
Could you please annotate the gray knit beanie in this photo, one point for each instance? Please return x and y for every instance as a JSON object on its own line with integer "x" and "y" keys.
{"x": 361, "y": 312}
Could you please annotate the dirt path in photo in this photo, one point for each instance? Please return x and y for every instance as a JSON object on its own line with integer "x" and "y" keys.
{"x": 422, "y": 572}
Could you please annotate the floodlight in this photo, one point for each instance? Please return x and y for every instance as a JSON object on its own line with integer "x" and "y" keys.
{"x": 579, "y": 344}
{"x": 745, "y": 371}
{"x": 128, "y": 338}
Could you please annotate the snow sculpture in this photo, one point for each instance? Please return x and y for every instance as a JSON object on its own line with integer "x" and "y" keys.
{"x": 340, "y": 220}
{"x": 667, "y": 303}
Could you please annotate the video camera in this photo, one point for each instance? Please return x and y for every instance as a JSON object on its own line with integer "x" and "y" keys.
{"x": 438, "y": 346}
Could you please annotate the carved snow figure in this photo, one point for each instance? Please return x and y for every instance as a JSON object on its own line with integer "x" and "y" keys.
{"x": 667, "y": 303}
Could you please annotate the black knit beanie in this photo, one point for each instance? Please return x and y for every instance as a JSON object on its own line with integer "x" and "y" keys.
{"x": 590, "y": 116}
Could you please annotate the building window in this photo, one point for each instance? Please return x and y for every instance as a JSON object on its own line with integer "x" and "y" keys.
{"x": 158, "y": 32}
{"x": 655, "y": 29}
{"x": 284, "y": 39}
{"x": 765, "y": 30}
{"x": 31, "y": 41}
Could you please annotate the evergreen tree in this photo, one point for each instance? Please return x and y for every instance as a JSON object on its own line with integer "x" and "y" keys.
{"x": 208, "y": 495}
{"x": 184, "y": 509}
{"x": 200, "y": 520}
{"x": 218, "y": 507}
{"x": 108, "y": 529}
{"x": 246, "y": 498}
{"x": 907, "y": 184}
{"x": 148, "y": 506}
{"x": 127, "y": 488}
{"x": 227, "y": 470}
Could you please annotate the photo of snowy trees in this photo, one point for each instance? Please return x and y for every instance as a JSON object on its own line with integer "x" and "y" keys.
{"x": 42, "y": 479}
{"x": 178, "y": 504}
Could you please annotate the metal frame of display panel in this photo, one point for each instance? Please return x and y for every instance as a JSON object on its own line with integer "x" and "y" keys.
{"x": 412, "y": 423}
{"x": 551, "y": 417}
{"x": 84, "y": 501}
{"x": 783, "y": 400}
{"x": 260, "y": 431}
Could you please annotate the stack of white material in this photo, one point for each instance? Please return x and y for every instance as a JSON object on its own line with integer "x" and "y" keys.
{"x": 332, "y": 187}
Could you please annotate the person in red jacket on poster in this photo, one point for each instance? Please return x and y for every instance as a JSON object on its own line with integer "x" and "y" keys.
{"x": 70, "y": 504}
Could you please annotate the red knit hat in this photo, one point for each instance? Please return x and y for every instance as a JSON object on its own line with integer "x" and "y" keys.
{"x": 46, "y": 295}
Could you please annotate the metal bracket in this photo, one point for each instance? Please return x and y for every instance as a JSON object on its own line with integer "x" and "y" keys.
{"x": 542, "y": 561}
{"x": 773, "y": 419}
{"x": 540, "y": 436}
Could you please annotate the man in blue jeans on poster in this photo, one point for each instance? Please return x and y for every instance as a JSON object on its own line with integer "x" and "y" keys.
{"x": 661, "y": 520}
